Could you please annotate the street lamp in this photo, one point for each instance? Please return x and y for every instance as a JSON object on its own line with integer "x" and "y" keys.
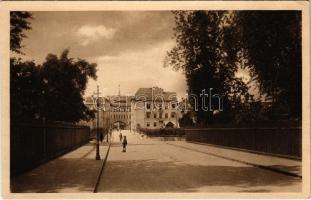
{"x": 97, "y": 130}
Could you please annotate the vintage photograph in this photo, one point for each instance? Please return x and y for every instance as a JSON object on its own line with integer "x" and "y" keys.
{"x": 156, "y": 101}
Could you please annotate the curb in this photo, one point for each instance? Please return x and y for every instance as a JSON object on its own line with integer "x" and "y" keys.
{"x": 101, "y": 169}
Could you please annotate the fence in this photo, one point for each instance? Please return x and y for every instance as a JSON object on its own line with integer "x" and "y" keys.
{"x": 280, "y": 141}
{"x": 33, "y": 144}
{"x": 164, "y": 132}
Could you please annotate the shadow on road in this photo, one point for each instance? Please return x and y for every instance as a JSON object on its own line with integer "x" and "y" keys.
{"x": 62, "y": 175}
{"x": 152, "y": 176}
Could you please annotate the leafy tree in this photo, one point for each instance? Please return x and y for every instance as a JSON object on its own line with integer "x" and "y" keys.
{"x": 271, "y": 42}
{"x": 25, "y": 90}
{"x": 52, "y": 91}
{"x": 186, "y": 120}
{"x": 207, "y": 62}
{"x": 65, "y": 83}
{"x": 24, "y": 76}
{"x": 19, "y": 21}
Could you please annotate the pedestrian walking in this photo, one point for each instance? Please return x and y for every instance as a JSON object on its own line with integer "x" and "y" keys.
{"x": 120, "y": 136}
{"x": 124, "y": 143}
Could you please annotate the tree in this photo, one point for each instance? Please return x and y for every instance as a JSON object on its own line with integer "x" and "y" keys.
{"x": 52, "y": 91}
{"x": 186, "y": 120}
{"x": 201, "y": 53}
{"x": 25, "y": 90}
{"x": 65, "y": 83}
{"x": 19, "y": 21}
{"x": 271, "y": 42}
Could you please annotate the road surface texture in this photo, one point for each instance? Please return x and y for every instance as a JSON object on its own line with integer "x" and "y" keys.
{"x": 76, "y": 171}
{"x": 152, "y": 165}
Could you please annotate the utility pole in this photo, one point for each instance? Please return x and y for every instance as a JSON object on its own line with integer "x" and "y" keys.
{"x": 97, "y": 130}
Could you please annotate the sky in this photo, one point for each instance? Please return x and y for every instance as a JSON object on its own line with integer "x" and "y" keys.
{"x": 128, "y": 46}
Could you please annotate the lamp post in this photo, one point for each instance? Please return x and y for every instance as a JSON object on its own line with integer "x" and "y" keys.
{"x": 97, "y": 130}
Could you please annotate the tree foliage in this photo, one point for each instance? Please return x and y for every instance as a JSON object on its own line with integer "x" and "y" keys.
{"x": 271, "y": 41}
{"x": 212, "y": 46}
{"x": 207, "y": 62}
{"x": 25, "y": 89}
{"x": 186, "y": 120}
{"x": 19, "y": 21}
{"x": 53, "y": 91}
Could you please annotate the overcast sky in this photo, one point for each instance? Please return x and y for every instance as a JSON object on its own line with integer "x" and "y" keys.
{"x": 129, "y": 47}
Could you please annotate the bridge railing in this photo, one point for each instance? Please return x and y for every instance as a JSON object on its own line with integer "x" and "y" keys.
{"x": 286, "y": 141}
{"x": 32, "y": 143}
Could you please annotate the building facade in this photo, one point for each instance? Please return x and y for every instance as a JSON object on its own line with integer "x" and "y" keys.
{"x": 120, "y": 111}
{"x": 154, "y": 108}
{"x": 104, "y": 112}
{"x": 151, "y": 108}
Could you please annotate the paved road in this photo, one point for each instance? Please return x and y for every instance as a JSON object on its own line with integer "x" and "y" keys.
{"x": 151, "y": 165}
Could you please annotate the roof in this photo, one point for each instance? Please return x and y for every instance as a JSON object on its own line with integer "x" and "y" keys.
{"x": 155, "y": 94}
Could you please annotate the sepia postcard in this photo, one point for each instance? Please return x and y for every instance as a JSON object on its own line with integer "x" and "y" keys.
{"x": 155, "y": 99}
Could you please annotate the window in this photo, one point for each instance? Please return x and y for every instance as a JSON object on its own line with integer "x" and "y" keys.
{"x": 155, "y": 124}
{"x": 148, "y": 124}
{"x": 148, "y": 114}
{"x": 155, "y": 115}
{"x": 148, "y": 106}
{"x": 166, "y": 115}
{"x": 172, "y": 114}
{"x": 173, "y": 105}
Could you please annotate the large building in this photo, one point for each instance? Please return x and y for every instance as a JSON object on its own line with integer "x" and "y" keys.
{"x": 120, "y": 111}
{"x": 154, "y": 108}
{"x": 151, "y": 108}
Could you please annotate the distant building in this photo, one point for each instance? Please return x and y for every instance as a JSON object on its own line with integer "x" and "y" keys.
{"x": 120, "y": 111}
{"x": 104, "y": 112}
{"x": 154, "y": 108}
{"x": 150, "y": 108}
{"x": 114, "y": 112}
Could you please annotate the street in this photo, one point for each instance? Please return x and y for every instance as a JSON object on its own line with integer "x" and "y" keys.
{"x": 152, "y": 165}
